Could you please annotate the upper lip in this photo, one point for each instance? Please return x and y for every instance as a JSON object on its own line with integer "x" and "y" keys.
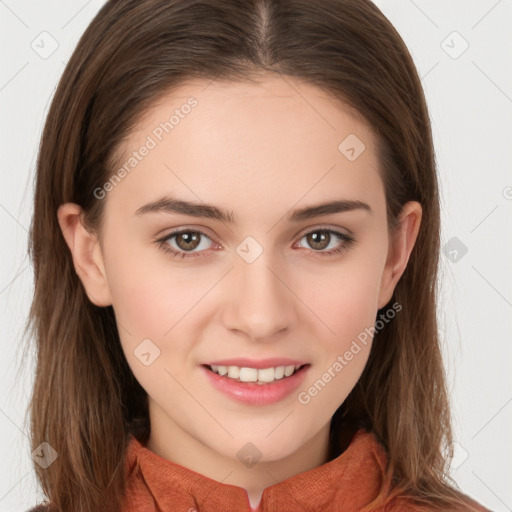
{"x": 244, "y": 362}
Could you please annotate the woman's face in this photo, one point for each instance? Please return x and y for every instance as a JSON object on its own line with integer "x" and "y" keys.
{"x": 241, "y": 171}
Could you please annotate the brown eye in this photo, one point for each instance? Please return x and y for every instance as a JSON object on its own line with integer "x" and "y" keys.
{"x": 322, "y": 239}
{"x": 188, "y": 240}
{"x": 318, "y": 239}
{"x": 183, "y": 244}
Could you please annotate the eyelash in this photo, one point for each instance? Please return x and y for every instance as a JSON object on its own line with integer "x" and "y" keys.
{"x": 347, "y": 239}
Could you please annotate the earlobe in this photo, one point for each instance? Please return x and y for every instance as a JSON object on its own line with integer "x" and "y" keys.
{"x": 86, "y": 254}
{"x": 400, "y": 248}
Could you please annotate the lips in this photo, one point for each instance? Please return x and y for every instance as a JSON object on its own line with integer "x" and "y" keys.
{"x": 256, "y": 392}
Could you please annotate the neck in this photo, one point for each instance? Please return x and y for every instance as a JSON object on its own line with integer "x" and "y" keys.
{"x": 171, "y": 443}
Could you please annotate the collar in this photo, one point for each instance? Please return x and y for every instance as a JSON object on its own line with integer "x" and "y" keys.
{"x": 348, "y": 482}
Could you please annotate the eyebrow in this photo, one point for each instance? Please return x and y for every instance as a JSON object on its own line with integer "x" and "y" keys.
{"x": 171, "y": 205}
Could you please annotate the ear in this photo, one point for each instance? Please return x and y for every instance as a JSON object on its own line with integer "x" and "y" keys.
{"x": 400, "y": 248}
{"x": 86, "y": 253}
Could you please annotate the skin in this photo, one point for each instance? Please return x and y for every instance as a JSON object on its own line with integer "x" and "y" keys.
{"x": 260, "y": 151}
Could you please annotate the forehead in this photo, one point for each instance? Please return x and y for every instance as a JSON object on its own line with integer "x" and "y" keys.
{"x": 277, "y": 139}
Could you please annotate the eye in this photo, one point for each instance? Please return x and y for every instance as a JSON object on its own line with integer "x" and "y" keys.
{"x": 320, "y": 239}
{"x": 185, "y": 242}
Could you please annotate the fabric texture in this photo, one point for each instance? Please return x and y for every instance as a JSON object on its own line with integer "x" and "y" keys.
{"x": 346, "y": 483}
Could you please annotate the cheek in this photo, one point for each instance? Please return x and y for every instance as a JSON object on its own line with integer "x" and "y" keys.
{"x": 153, "y": 306}
{"x": 348, "y": 308}
{"x": 149, "y": 295}
{"x": 344, "y": 301}
{"x": 137, "y": 298}
{"x": 158, "y": 310}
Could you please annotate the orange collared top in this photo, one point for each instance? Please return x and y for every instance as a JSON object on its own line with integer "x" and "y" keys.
{"x": 346, "y": 483}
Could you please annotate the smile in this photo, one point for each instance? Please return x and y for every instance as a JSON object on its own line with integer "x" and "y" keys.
{"x": 259, "y": 375}
{"x": 255, "y": 386}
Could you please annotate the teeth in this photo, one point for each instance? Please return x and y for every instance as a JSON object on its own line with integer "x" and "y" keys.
{"x": 222, "y": 370}
{"x": 261, "y": 376}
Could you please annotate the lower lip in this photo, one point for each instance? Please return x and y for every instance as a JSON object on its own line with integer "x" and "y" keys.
{"x": 257, "y": 394}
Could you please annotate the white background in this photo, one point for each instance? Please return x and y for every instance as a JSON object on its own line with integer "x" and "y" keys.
{"x": 470, "y": 99}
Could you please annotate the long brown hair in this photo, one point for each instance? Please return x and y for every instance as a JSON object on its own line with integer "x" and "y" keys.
{"x": 86, "y": 401}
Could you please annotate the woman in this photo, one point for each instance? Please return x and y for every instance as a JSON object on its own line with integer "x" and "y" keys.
{"x": 235, "y": 242}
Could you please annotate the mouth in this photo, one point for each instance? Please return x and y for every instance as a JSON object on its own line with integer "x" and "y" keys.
{"x": 260, "y": 386}
{"x": 258, "y": 376}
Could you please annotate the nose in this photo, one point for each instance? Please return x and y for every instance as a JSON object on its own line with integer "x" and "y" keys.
{"x": 260, "y": 302}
